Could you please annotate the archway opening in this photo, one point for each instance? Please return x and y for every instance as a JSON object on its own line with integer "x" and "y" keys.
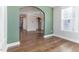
{"x": 32, "y": 23}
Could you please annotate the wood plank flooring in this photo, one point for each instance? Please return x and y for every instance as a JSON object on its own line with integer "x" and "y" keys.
{"x": 34, "y": 42}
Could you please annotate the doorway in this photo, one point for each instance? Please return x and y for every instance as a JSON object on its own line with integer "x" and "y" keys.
{"x": 32, "y": 20}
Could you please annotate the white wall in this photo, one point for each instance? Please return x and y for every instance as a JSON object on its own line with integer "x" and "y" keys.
{"x": 32, "y": 23}
{"x": 73, "y": 36}
{"x": 3, "y": 28}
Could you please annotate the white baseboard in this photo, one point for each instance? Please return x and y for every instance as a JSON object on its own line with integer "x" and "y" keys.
{"x": 67, "y": 38}
{"x": 46, "y": 36}
{"x": 13, "y": 44}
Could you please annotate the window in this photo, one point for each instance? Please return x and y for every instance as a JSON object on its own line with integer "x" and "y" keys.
{"x": 69, "y": 19}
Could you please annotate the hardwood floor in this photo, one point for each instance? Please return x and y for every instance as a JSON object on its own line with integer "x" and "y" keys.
{"x": 34, "y": 42}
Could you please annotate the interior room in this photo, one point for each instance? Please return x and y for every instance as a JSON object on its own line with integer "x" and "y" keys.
{"x": 42, "y": 28}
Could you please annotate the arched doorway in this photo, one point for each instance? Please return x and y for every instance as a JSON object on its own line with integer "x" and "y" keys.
{"x": 32, "y": 22}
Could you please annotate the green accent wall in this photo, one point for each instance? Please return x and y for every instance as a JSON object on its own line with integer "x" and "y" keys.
{"x": 13, "y": 22}
{"x": 48, "y": 19}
